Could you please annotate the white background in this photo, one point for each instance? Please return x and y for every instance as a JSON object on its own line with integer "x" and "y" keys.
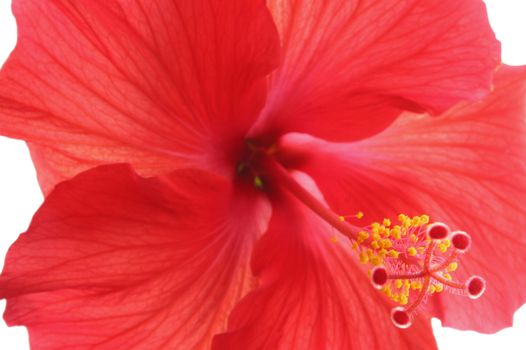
{"x": 20, "y": 195}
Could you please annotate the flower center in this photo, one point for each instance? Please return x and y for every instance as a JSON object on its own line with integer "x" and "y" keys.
{"x": 250, "y": 167}
{"x": 408, "y": 261}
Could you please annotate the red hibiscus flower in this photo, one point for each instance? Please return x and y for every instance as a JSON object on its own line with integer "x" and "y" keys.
{"x": 257, "y": 134}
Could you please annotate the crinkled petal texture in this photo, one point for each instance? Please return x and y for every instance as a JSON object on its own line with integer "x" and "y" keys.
{"x": 313, "y": 295}
{"x": 115, "y": 261}
{"x": 465, "y": 168}
{"x": 148, "y": 83}
{"x": 350, "y": 66}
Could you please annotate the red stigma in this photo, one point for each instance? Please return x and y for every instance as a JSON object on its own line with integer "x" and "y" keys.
{"x": 475, "y": 287}
{"x": 400, "y": 317}
{"x": 461, "y": 241}
{"x": 379, "y": 276}
{"x": 438, "y": 231}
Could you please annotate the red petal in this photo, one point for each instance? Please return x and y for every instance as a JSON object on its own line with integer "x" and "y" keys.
{"x": 350, "y": 66}
{"x": 114, "y": 261}
{"x": 136, "y": 82}
{"x": 465, "y": 168}
{"x": 313, "y": 295}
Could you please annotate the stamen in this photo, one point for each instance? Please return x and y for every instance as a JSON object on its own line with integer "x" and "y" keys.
{"x": 426, "y": 256}
{"x": 410, "y": 260}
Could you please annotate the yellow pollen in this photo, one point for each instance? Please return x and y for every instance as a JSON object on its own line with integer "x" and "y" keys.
{"x": 447, "y": 276}
{"x": 362, "y": 236}
{"x": 341, "y": 218}
{"x": 364, "y": 258}
{"x": 376, "y": 260}
{"x": 386, "y": 243}
{"x": 398, "y": 284}
{"x": 387, "y": 222}
{"x": 439, "y": 287}
{"x": 411, "y": 251}
{"x": 375, "y": 245}
{"x": 359, "y": 215}
{"x": 452, "y": 267}
{"x": 416, "y": 285}
{"x": 393, "y": 253}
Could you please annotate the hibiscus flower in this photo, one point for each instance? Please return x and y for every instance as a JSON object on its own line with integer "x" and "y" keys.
{"x": 230, "y": 174}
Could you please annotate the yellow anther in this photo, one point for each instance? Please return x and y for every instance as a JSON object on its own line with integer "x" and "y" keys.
{"x": 341, "y": 218}
{"x": 411, "y": 251}
{"x": 416, "y": 285}
{"x": 421, "y": 250}
{"x": 442, "y": 247}
{"x": 258, "y": 182}
{"x": 376, "y": 260}
{"x": 403, "y": 300}
{"x": 359, "y": 215}
{"x": 362, "y": 236}
{"x": 413, "y": 238}
{"x": 376, "y": 237}
{"x": 375, "y": 245}
{"x": 452, "y": 267}
{"x": 447, "y": 276}
{"x": 386, "y": 243}
{"x": 402, "y": 217}
{"x": 388, "y": 292}
{"x": 439, "y": 287}
{"x": 424, "y": 219}
{"x": 416, "y": 221}
{"x": 364, "y": 258}
{"x": 387, "y": 222}
{"x": 432, "y": 289}
{"x": 398, "y": 283}
{"x": 393, "y": 253}
{"x": 355, "y": 245}
{"x": 447, "y": 242}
